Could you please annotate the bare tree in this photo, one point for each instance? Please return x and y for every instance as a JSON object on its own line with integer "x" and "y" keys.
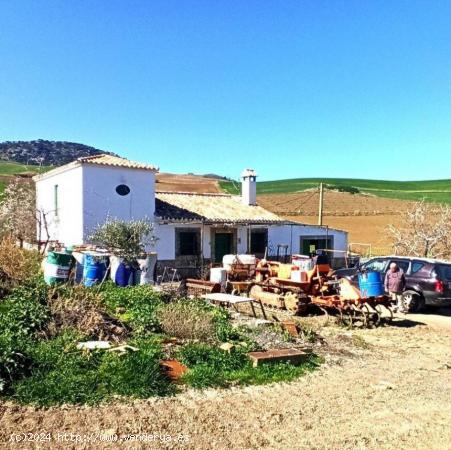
{"x": 425, "y": 231}
{"x": 19, "y": 216}
{"x": 18, "y": 211}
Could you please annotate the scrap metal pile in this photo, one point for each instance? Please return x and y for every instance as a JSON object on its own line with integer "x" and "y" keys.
{"x": 306, "y": 286}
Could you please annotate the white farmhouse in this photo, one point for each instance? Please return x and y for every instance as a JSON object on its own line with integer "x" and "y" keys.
{"x": 192, "y": 229}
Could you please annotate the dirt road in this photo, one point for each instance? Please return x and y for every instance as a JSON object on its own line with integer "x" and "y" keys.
{"x": 387, "y": 388}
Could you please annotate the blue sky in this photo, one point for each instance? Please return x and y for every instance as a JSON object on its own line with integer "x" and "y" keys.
{"x": 291, "y": 88}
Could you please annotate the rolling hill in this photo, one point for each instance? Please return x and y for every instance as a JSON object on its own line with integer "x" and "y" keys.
{"x": 47, "y": 153}
{"x": 433, "y": 190}
{"x": 29, "y": 157}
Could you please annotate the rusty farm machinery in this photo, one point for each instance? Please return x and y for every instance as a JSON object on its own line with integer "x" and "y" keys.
{"x": 308, "y": 288}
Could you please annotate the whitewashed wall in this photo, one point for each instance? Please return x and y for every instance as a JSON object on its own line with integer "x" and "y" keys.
{"x": 67, "y": 227}
{"x": 87, "y": 196}
{"x": 100, "y": 199}
{"x": 290, "y": 235}
{"x": 165, "y": 246}
{"x": 283, "y": 234}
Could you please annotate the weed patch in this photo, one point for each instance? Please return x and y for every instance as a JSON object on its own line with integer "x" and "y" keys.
{"x": 212, "y": 367}
{"x": 60, "y": 373}
{"x": 136, "y": 305}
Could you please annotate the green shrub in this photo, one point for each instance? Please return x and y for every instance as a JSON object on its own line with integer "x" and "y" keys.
{"x": 25, "y": 310}
{"x": 60, "y": 373}
{"x": 195, "y": 354}
{"x": 140, "y": 305}
{"x": 13, "y": 358}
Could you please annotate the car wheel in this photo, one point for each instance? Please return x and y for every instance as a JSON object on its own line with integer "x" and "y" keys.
{"x": 412, "y": 301}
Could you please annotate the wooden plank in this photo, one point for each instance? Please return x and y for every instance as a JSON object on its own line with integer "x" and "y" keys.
{"x": 291, "y": 355}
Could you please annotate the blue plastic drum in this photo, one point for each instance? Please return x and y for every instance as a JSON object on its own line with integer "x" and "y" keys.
{"x": 94, "y": 269}
{"x": 370, "y": 284}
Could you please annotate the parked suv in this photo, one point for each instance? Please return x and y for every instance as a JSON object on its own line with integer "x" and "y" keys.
{"x": 428, "y": 281}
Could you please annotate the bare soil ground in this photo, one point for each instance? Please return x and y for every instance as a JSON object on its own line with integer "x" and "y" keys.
{"x": 169, "y": 182}
{"x": 365, "y": 217}
{"x": 384, "y": 388}
{"x": 362, "y": 229}
{"x": 335, "y": 204}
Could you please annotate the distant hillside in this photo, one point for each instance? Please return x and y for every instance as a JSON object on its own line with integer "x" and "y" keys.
{"x": 47, "y": 153}
{"x": 434, "y": 190}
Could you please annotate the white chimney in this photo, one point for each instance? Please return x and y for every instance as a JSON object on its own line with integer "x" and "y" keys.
{"x": 249, "y": 187}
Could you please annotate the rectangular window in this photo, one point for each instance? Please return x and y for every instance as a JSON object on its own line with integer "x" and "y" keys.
{"x": 310, "y": 244}
{"x": 187, "y": 242}
{"x": 55, "y": 199}
{"x": 259, "y": 241}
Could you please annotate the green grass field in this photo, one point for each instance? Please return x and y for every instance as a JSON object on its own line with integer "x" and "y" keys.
{"x": 434, "y": 190}
{"x": 8, "y": 169}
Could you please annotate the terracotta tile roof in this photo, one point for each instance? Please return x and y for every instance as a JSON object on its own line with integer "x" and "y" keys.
{"x": 210, "y": 208}
{"x": 116, "y": 161}
{"x": 101, "y": 160}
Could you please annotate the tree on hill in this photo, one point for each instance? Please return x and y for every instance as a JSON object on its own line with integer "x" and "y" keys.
{"x": 425, "y": 231}
{"x": 47, "y": 153}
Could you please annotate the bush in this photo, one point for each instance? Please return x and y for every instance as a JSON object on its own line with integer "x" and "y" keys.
{"x": 22, "y": 314}
{"x": 25, "y": 310}
{"x": 60, "y": 373}
{"x": 127, "y": 239}
{"x": 13, "y": 358}
{"x": 138, "y": 305}
{"x": 348, "y": 189}
{"x": 194, "y": 319}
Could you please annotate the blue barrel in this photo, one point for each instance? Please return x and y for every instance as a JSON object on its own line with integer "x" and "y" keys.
{"x": 94, "y": 269}
{"x": 370, "y": 284}
{"x": 123, "y": 274}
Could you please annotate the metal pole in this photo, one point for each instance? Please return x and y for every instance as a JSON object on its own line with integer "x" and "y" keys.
{"x": 320, "y": 212}
{"x": 202, "y": 247}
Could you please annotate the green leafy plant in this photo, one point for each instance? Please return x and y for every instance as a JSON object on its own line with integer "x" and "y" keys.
{"x": 13, "y": 358}
{"x": 210, "y": 366}
{"x": 25, "y": 310}
{"x": 137, "y": 305}
{"x": 126, "y": 239}
{"x": 60, "y": 373}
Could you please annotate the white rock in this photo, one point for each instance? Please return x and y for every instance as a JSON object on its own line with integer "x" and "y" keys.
{"x": 93, "y": 345}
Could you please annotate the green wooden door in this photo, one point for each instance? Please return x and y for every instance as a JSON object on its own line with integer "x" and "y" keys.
{"x": 223, "y": 245}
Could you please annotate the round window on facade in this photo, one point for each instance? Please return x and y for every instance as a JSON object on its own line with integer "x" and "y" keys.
{"x": 123, "y": 189}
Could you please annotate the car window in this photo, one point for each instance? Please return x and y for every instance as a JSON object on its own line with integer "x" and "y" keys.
{"x": 402, "y": 264}
{"x": 417, "y": 266}
{"x": 377, "y": 265}
{"x": 444, "y": 271}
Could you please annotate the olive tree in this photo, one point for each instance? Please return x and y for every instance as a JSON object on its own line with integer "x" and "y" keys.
{"x": 425, "y": 231}
{"x": 126, "y": 239}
